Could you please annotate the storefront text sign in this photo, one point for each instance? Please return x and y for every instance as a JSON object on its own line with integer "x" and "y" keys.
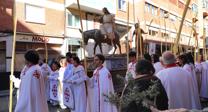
{"x": 39, "y": 39}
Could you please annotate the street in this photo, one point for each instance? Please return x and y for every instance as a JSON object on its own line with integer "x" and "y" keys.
{"x": 4, "y": 104}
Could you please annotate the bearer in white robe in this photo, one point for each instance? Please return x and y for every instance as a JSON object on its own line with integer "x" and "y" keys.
{"x": 62, "y": 69}
{"x": 32, "y": 90}
{"x": 101, "y": 83}
{"x": 67, "y": 89}
{"x": 78, "y": 86}
{"x": 54, "y": 83}
{"x": 157, "y": 63}
{"x": 17, "y": 81}
{"x": 204, "y": 81}
{"x": 178, "y": 84}
{"x": 46, "y": 70}
{"x": 198, "y": 68}
{"x": 130, "y": 73}
{"x": 191, "y": 69}
{"x": 189, "y": 66}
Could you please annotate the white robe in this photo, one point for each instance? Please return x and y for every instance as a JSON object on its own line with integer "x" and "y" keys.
{"x": 46, "y": 70}
{"x": 67, "y": 90}
{"x": 54, "y": 86}
{"x": 191, "y": 69}
{"x": 32, "y": 91}
{"x": 78, "y": 88}
{"x": 198, "y": 68}
{"x": 130, "y": 73}
{"x": 60, "y": 78}
{"x": 17, "y": 81}
{"x": 204, "y": 81}
{"x": 101, "y": 83}
{"x": 158, "y": 67}
{"x": 179, "y": 87}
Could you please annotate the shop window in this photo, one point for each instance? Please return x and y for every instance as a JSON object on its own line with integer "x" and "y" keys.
{"x": 73, "y": 49}
{"x": 34, "y": 14}
{"x": 122, "y": 5}
{"x": 73, "y": 20}
{"x": 2, "y": 56}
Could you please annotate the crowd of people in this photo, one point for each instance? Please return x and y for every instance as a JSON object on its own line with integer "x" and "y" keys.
{"x": 63, "y": 83}
{"x": 182, "y": 83}
{"x": 184, "y": 80}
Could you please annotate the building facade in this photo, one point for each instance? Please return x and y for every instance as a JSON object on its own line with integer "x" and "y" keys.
{"x": 56, "y": 23}
{"x": 40, "y": 23}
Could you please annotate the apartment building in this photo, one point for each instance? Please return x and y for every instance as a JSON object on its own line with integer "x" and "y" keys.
{"x": 39, "y": 23}
{"x": 159, "y": 18}
{"x": 57, "y": 23}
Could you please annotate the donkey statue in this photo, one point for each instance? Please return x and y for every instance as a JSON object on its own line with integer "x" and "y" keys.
{"x": 99, "y": 38}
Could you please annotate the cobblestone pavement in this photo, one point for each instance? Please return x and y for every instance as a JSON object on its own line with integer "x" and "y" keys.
{"x": 4, "y": 105}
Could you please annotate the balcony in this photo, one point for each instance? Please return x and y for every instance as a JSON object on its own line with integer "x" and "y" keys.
{"x": 93, "y": 6}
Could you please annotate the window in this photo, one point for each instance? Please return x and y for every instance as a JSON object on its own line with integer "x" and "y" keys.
{"x": 164, "y": 34}
{"x": 162, "y": 13}
{"x": 194, "y": 8}
{"x": 147, "y": 7}
{"x": 153, "y": 33}
{"x": 151, "y": 9}
{"x": 173, "y": 17}
{"x": 73, "y": 20}
{"x": 34, "y": 14}
{"x": 205, "y": 4}
{"x": 122, "y": 5}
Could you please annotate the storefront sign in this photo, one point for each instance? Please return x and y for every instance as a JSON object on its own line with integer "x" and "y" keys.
{"x": 39, "y": 39}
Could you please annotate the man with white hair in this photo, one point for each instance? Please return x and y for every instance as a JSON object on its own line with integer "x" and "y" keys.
{"x": 178, "y": 84}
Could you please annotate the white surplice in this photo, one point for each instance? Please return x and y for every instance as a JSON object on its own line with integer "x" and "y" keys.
{"x": 78, "y": 88}
{"x": 130, "y": 73}
{"x": 179, "y": 87}
{"x": 204, "y": 81}
{"x": 101, "y": 83}
{"x": 54, "y": 86}
{"x": 46, "y": 70}
{"x": 32, "y": 91}
{"x": 158, "y": 67}
{"x": 67, "y": 89}
{"x": 191, "y": 69}
{"x": 60, "y": 78}
{"x": 198, "y": 68}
